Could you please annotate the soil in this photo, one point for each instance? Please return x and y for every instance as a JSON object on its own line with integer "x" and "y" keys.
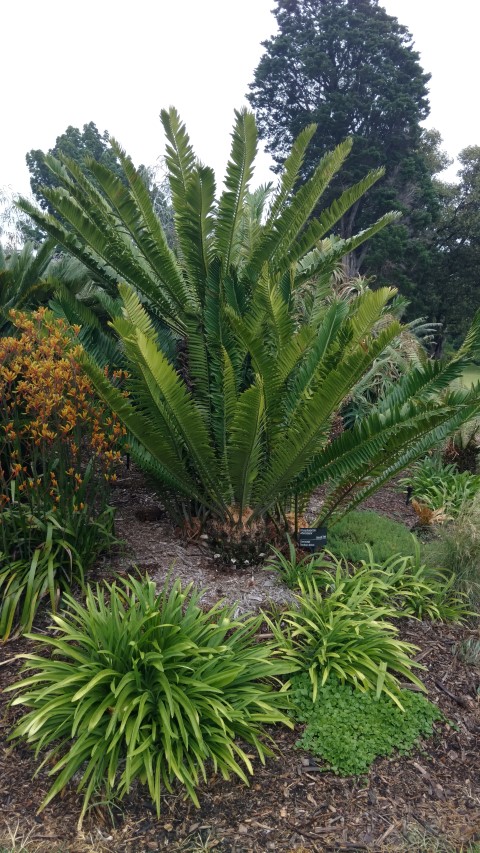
{"x": 422, "y": 802}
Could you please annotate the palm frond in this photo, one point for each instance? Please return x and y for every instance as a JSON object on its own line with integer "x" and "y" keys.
{"x": 273, "y": 247}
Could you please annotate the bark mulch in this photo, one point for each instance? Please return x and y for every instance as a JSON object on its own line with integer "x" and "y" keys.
{"x": 426, "y": 801}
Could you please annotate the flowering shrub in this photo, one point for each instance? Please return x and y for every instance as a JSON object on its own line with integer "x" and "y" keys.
{"x": 58, "y": 449}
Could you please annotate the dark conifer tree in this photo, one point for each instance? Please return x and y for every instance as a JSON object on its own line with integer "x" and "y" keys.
{"x": 352, "y": 68}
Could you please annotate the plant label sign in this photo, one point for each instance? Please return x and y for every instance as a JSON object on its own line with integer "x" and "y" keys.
{"x": 314, "y": 538}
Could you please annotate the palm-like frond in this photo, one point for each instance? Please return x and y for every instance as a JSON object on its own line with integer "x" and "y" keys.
{"x": 24, "y": 275}
{"x": 291, "y": 172}
{"x": 245, "y": 446}
{"x": 239, "y": 173}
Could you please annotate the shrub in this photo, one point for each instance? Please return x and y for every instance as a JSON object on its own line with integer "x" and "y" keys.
{"x": 25, "y": 279}
{"x": 469, "y": 652}
{"x": 291, "y": 569}
{"x": 349, "y": 729}
{"x": 60, "y": 556}
{"x": 463, "y": 447}
{"x": 343, "y": 635}
{"x": 148, "y": 687}
{"x": 58, "y": 448}
{"x": 350, "y": 536}
{"x": 457, "y": 549}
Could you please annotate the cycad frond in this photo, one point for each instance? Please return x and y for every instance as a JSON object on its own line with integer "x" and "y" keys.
{"x": 319, "y": 227}
{"x": 290, "y": 173}
{"x": 239, "y": 173}
{"x": 245, "y": 444}
{"x": 275, "y": 244}
{"x": 136, "y": 213}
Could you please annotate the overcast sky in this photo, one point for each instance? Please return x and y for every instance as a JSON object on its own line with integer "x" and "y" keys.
{"x": 117, "y": 63}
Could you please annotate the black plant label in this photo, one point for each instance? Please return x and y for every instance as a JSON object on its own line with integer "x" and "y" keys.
{"x": 312, "y": 538}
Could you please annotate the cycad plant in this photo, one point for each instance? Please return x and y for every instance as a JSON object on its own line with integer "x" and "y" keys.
{"x": 234, "y": 377}
{"x": 23, "y": 279}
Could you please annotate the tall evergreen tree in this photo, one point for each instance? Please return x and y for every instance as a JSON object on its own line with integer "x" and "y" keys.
{"x": 351, "y": 68}
{"x": 454, "y": 293}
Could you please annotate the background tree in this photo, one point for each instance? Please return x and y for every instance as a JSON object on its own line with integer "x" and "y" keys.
{"x": 75, "y": 144}
{"x": 456, "y": 289}
{"x": 351, "y": 68}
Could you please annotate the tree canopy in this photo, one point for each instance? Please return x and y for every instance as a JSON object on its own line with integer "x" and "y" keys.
{"x": 455, "y": 292}
{"x": 351, "y": 68}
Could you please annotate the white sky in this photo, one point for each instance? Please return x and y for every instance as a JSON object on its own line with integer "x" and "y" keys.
{"x": 117, "y": 63}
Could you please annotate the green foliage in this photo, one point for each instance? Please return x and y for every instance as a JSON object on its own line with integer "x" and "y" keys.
{"x": 469, "y": 651}
{"x": 140, "y": 686}
{"x": 74, "y": 143}
{"x": 463, "y": 446}
{"x": 407, "y": 351}
{"x": 453, "y": 289}
{"x": 235, "y": 418}
{"x": 328, "y": 62}
{"x": 345, "y": 636}
{"x": 58, "y": 446}
{"x": 456, "y": 548}
{"x": 24, "y": 279}
{"x": 45, "y": 555}
{"x": 349, "y": 729}
{"x": 440, "y": 486}
{"x": 415, "y": 589}
{"x": 404, "y": 584}
{"x": 290, "y": 568}
{"x": 351, "y": 537}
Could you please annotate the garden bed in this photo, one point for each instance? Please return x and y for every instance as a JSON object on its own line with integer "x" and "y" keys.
{"x": 416, "y": 803}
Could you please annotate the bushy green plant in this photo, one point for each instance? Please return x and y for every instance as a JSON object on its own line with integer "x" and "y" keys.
{"x": 24, "y": 279}
{"x": 235, "y": 376}
{"x": 344, "y": 635}
{"x": 149, "y": 687}
{"x": 405, "y": 584}
{"x": 61, "y": 553}
{"x": 457, "y": 549}
{"x": 58, "y": 448}
{"x": 349, "y": 729}
{"x": 439, "y": 486}
{"x": 469, "y": 651}
{"x": 416, "y": 589}
{"x": 351, "y": 535}
{"x": 462, "y": 448}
